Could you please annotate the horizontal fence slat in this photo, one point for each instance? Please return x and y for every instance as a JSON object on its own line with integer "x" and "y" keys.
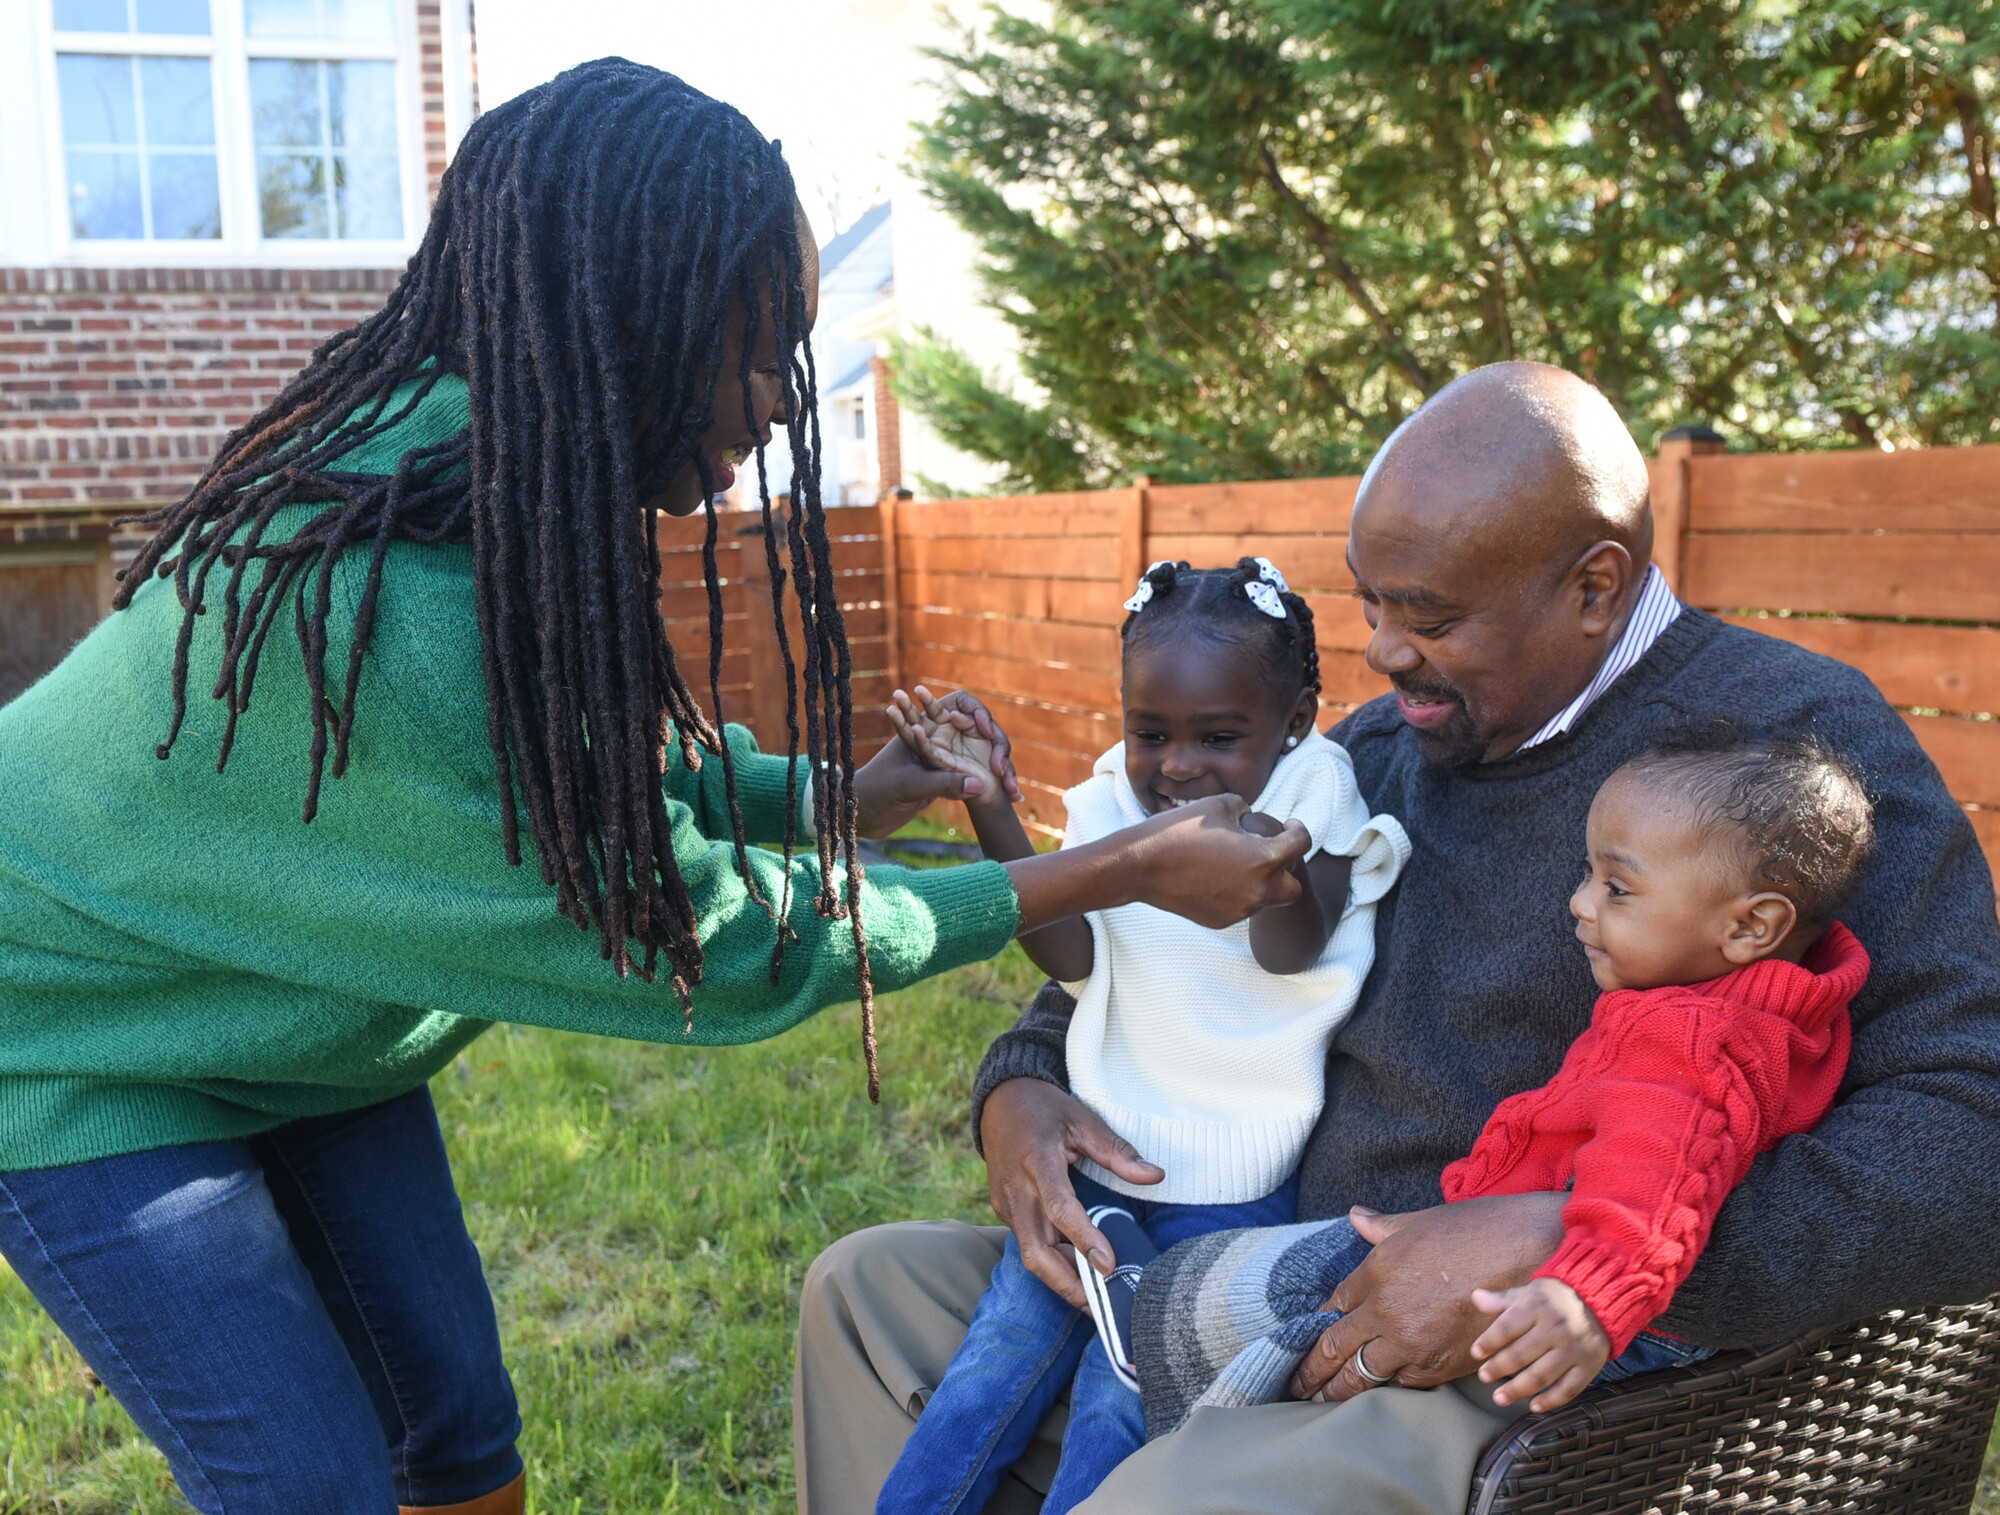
{"x": 1346, "y": 679}
{"x": 1082, "y": 558}
{"x": 1030, "y": 599}
{"x": 1272, "y": 506}
{"x": 1338, "y": 621}
{"x": 1091, "y": 647}
{"x": 1939, "y": 489}
{"x": 1966, "y": 752}
{"x": 1082, "y": 733}
{"x": 1946, "y": 576}
{"x": 1049, "y": 515}
{"x": 1307, "y": 562}
{"x": 991, "y": 677}
{"x": 1944, "y": 667}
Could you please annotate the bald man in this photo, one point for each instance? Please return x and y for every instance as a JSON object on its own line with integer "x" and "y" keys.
{"x": 1501, "y": 547}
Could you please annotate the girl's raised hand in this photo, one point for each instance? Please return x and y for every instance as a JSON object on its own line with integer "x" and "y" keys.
{"x": 956, "y": 733}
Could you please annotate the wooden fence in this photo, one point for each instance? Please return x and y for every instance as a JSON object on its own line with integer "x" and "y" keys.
{"x": 752, "y": 679}
{"x": 1890, "y": 562}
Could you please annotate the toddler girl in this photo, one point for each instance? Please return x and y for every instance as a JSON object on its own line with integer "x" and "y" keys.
{"x": 1205, "y": 1049}
{"x": 1715, "y": 866}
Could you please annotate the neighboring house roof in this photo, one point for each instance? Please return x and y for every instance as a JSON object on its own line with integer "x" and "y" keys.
{"x": 830, "y": 256}
{"x": 854, "y": 376}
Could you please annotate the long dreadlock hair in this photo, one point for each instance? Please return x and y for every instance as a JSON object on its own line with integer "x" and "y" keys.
{"x": 592, "y": 244}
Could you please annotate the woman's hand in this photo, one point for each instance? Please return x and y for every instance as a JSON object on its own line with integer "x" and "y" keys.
{"x": 896, "y": 784}
{"x": 1199, "y": 861}
{"x": 1410, "y": 1303}
{"x": 1032, "y": 1132}
{"x": 1196, "y": 861}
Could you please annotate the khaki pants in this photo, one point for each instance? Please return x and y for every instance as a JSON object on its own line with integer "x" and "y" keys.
{"x": 884, "y": 1309}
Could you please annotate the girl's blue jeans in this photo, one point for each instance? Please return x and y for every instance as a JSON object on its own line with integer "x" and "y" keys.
{"x": 1024, "y": 1347}
{"x": 297, "y": 1320}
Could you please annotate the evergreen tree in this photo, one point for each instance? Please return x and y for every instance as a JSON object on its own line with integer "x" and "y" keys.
{"x": 1246, "y": 238}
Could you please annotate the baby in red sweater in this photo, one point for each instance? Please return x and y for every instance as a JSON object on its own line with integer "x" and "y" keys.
{"x": 1714, "y": 871}
{"x": 1715, "y": 866}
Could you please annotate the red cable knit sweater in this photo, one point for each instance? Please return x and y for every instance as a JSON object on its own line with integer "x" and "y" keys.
{"x": 1656, "y": 1114}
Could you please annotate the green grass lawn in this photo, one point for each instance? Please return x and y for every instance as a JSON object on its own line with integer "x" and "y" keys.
{"x": 646, "y": 1215}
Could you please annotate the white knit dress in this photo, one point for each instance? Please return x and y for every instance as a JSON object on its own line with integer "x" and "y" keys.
{"x": 1212, "y": 1067}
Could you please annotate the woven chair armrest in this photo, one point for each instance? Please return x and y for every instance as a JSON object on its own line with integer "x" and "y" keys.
{"x": 1891, "y": 1414}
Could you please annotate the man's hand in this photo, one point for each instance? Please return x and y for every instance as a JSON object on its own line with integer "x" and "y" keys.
{"x": 1547, "y": 1342}
{"x": 1410, "y": 1303}
{"x": 1032, "y": 1131}
{"x": 895, "y": 785}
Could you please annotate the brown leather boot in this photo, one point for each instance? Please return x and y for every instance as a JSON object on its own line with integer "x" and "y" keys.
{"x": 502, "y": 1501}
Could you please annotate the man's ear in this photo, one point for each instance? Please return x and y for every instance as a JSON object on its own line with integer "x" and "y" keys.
{"x": 1759, "y": 925}
{"x": 1603, "y": 576}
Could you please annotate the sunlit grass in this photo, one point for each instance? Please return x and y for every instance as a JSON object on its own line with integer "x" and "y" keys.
{"x": 646, "y": 1215}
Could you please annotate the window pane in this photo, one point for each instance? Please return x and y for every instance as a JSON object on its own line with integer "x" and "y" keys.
{"x": 361, "y": 98}
{"x": 291, "y": 190}
{"x": 179, "y": 110}
{"x": 185, "y": 202}
{"x": 285, "y": 103}
{"x": 180, "y": 18}
{"x": 104, "y": 195}
{"x": 370, "y": 194}
{"x": 348, "y": 20}
{"x": 98, "y": 109}
{"x": 93, "y": 16}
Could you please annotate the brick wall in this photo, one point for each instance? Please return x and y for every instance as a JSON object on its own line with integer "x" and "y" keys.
{"x": 117, "y": 384}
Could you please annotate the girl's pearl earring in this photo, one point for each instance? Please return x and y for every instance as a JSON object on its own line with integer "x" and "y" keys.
{"x": 1291, "y": 741}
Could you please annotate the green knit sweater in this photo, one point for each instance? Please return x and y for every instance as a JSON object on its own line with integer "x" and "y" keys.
{"x": 181, "y": 959}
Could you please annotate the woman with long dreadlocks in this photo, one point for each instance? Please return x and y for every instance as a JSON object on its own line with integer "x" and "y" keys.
{"x": 235, "y": 944}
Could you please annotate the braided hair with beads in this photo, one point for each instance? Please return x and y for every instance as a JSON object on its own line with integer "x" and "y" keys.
{"x": 1216, "y": 604}
{"x": 592, "y": 243}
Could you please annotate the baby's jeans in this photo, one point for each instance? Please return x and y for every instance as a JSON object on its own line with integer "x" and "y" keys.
{"x": 1025, "y": 1346}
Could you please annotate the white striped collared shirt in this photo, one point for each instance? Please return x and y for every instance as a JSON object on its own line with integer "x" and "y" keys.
{"x": 1656, "y": 611}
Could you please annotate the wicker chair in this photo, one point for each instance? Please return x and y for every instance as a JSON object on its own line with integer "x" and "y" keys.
{"x": 1890, "y": 1416}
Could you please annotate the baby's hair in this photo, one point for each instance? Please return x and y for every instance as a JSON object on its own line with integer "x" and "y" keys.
{"x": 1802, "y": 814}
{"x": 1215, "y": 604}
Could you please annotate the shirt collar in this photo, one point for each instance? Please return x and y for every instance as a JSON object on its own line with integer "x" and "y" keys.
{"x": 1656, "y": 611}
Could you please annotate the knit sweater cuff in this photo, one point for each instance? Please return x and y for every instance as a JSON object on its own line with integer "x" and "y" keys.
{"x": 1624, "y": 1297}
{"x": 1033, "y": 1047}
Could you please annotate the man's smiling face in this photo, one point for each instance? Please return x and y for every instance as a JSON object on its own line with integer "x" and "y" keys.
{"x": 1497, "y": 545}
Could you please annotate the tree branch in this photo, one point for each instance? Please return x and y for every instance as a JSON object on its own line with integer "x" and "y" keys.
{"x": 1400, "y": 357}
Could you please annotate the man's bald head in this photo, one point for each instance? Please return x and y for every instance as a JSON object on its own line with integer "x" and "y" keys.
{"x": 1499, "y": 541}
{"x": 1520, "y": 454}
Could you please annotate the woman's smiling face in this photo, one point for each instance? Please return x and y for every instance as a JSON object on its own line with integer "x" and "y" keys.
{"x": 1202, "y": 719}
{"x": 734, "y": 435}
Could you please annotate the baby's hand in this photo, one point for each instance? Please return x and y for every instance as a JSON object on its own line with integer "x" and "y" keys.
{"x": 1545, "y": 1343}
{"x": 955, "y": 734}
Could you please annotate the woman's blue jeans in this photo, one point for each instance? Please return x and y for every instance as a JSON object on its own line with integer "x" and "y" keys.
{"x": 299, "y": 1320}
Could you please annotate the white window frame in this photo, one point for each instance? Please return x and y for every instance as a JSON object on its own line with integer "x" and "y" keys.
{"x": 242, "y": 243}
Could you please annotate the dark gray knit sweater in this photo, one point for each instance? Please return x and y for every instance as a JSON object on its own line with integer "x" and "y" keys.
{"x": 1479, "y": 987}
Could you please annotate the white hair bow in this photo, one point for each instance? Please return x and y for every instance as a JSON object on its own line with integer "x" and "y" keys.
{"x": 1266, "y": 593}
{"x": 1143, "y": 595}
